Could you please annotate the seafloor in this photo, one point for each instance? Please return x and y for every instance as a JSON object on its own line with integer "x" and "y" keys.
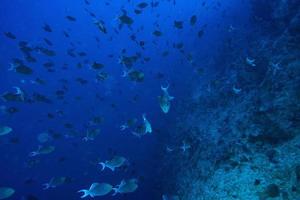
{"x": 243, "y": 125}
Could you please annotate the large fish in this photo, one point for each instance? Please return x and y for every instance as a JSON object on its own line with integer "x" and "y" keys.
{"x": 165, "y": 99}
{"x": 97, "y": 189}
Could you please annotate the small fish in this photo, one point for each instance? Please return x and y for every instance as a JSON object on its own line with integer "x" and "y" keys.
{"x": 21, "y": 69}
{"x": 54, "y": 182}
{"x": 200, "y": 33}
{"x": 10, "y": 35}
{"x": 142, "y": 5}
{"x": 136, "y": 76}
{"x": 136, "y": 11}
{"x": 178, "y": 24}
{"x": 97, "y": 189}
{"x": 101, "y": 76}
{"x": 6, "y": 192}
{"x": 147, "y": 125}
{"x": 42, "y": 150}
{"x": 115, "y": 162}
{"x": 165, "y": 99}
{"x": 48, "y": 42}
{"x": 126, "y": 186}
{"x": 97, "y": 65}
{"x": 193, "y": 20}
{"x": 125, "y": 19}
{"x": 66, "y": 34}
{"x": 43, "y": 137}
{"x": 101, "y": 26}
{"x": 4, "y": 130}
{"x": 71, "y": 18}
{"x": 157, "y": 33}
{"x": 14, "y": 96}
{"x": 91, "y": 134}
{"x": 47, "y": 28}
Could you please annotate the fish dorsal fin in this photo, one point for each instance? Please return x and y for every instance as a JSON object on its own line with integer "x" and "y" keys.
{"x": 93, "y": 186}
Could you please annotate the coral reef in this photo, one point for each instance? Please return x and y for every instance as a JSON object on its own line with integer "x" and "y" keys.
{"x": 244, "y": 125}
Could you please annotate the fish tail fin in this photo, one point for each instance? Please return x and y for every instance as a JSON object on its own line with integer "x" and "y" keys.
{"x": 85, "y": 193}
{"x": 165, "y": 89}
{"x": 46, "y": 186}
{"x": 102, "y": 165}
{"x": 33, "y": 153}
{"x": 116, "y": 191}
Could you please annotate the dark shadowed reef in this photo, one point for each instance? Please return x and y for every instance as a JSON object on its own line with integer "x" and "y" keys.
{"x": 243, "y": 124}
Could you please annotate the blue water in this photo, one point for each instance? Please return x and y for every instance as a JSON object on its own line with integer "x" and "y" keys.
{"x": 116, "y": 99}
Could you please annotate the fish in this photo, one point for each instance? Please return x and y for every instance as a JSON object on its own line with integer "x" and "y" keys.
{"x": 125, "y": 19}
{"x": 157, "y": 33}
{"x": 97, "y": 189}
{"x": 142, "y": 5}
{"x": 54, "y": 182}
{"x": 200, "y": 33}
{"x": 70, "y": 18}
{"x": 165, "y": 99}
{"x": 45, "y": 51}
{"x": 14, "y": 96}
{"x": 42, "y": 150}
{"x": 48, "y": 42}
{"x": 20, "y": 68}
{"x": 136, "y": 11}
{"x": 143, "y": 129}
{"x": 47, "y": 28}
{"x": 136, "y": 76}
{"x": 91, "y": 134}
{"x": 97, "y": 65}
{"x": 101, "y": 76}
{"x": 10, "y": 35}
{"x": 193, "y": 20}
{"x": 147, "y": 125}
{"x": 66, "y": 34}
{"x": 6, "y": 192}
{"x": 126, "y": 186}
{"x": 4, "y": 130}
{"x": 101, "y": 26}
{"x": 43, "y": 137}
{"x": 41, "y": 98}
{"x": 178, "y": 24}
{"x": 115, "y": 162}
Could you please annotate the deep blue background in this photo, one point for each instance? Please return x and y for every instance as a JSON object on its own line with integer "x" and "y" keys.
{"x": 25, "y": 19}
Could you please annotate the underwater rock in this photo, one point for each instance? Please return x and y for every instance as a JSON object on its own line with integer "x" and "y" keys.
{"x": 297, "y": 171}
{"x": 272, "y": 190}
